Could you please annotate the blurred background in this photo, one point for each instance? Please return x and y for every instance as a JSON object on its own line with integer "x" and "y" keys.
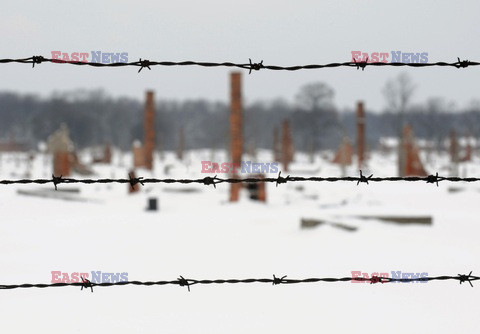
{"x": 109, "y": 122}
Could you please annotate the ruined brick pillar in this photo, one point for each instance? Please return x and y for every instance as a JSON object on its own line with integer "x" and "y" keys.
{"x": 236, "y": 130}
{"x": 468, "y": 150}
{"x": 401, "y": 157}
{"x": 61, "y": 146}
{"x": 138, "y": 155}
{"x": 360, "y": 135}
{"x": 149, "y": 128}
{"x": 454, "y": 158}
{"x": 61, "y": 163}
{"x": 262, "y": 192}
{"x": 344, "y": 153}
{"x": 412, "y": 165}
{"x": 453, "y": 147}
{"x": 107, "y": 154}
{"x": 287, "y": 145}
{"x": 181, "y": 144}
{"x": 290, "y": 149}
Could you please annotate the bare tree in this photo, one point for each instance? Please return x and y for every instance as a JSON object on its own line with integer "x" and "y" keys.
{"x": 432, "y": 121}
{"x": 316, "y": 114}
{"x": 315, "y": 96}
{"x": 398, "y": 93}
{"x": 471, "y": 118}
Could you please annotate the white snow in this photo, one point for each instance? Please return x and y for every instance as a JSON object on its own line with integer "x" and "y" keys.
{"x": 201, "y": 235}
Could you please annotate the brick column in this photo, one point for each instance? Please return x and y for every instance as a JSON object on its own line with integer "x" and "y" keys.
{"x": 149, "y": 128}
{"x": 262, "y": 191}
{"x": 360, "y": 135}
{"x": 138, "y": 155}
{"x": 236, "y": 129}
{"x": 454, "y": 158}
{"x": 412, "y": 165}
{"x": 181, "y": 144}
{"x": 107, "y": 154}
{"x": 61, "y": 163}
{"x": 344, "y": 153}
{"x": 287, "y": 145}
{"x": 453, "y": 147}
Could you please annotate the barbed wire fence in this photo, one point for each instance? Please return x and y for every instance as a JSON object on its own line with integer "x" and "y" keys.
{"x": 250, "y": 66}
{"x": 208, "y": 180}
{"x": 187, "y": 282}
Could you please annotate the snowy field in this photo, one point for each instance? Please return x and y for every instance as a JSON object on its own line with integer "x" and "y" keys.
{"x": 200, "y": 235}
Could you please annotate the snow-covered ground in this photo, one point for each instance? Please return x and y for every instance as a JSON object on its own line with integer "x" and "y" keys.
{"x": 199, "y": 234}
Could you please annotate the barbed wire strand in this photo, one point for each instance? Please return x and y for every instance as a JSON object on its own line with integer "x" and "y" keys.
{"x": 188, "y": 282}
{"x": 251, "y": 66}
{"x": 434, "y": 179}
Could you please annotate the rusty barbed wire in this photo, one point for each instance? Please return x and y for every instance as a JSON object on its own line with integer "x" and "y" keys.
{"x": 250, "y": 66}
{"x": 188, "y": 282}
{"x": 208, "y": 180}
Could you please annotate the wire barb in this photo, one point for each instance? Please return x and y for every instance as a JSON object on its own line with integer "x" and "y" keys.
{"x": 278, "y": 280}
{"x": 183, "y": 282}
{"x": 466, "y": 278}
{"x": 255, "y": 66}
{"x": 86, "y": 284}
{"x": 360, "y": 64}
{"x": 37, "y": 60}
{"x": 56, "y": 180}
{"x": 211, "y": 181}
{"x": 434, "y": 178}
{"x": 281, "y": 179}
{"x": 134, "y": 181}
{"x": 363, "y": 179}
{"x": 144, "y": 63}
{"x": 462, "y": 63}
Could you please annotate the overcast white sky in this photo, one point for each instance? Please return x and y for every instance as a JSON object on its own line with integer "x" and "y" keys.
{"x": 279, "y": 32}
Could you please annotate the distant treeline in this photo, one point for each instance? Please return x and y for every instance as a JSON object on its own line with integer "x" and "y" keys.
{"x": 94, "y": 118}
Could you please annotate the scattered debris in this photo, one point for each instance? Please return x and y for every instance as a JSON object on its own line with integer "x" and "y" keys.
{"x": 425, "y": 220}
{"x": 455, "y": 189}
{"x": 67, "y": 194}
{"x": 309, "y": 223}
{"x": 152, "y": 204}
{"x": 182, "y": 190}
